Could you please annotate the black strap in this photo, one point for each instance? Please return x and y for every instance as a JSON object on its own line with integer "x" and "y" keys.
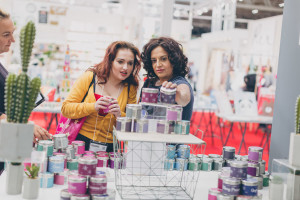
{"x": 89, "y": 88}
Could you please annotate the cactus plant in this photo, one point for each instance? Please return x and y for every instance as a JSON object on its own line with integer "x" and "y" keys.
{"x": 32, "y": 172}
{"x": 297, "y": 117}
{"x": 20, "y": 92}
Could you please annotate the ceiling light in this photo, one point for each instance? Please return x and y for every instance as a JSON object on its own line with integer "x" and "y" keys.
{"x": 176, "y": 13}
{"x": 205, "y": 10}
{"x": 241, "y": 0}
{"x": 255, "y": 11}
{"x": 281, "y": 5}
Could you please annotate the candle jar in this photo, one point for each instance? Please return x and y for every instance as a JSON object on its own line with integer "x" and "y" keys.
{"x": 206, "y": 164}
{"x": 70, "y": 152}
{"x": 218, "y": 163}
{"x": 79, "y": 146}
{"x": 60, "y": 178}
{"x": 140, "y": 125}
{"x": 98, "y": 184}
{"x": 80, "y": 197}
{"x": 227, "y": 163}
{"x": 214, "y": 156}
{"x": 64, "y": 156}
{"x": 262, "y": 167}
{"x": 238, "y": 169}
{"x": 253, "y": 169}
{"x": 193, "y": 164}
{"x": 102, "y": 160}
{"x": 266, "y": 178}
{"x": 101, "y": 197}
{"x": 171, "y": 151}
{"x": 72, "y": 164}
{"x": 181, "y": 164}
{"x": 167, "y": 95}
{"x": 221, "y": 177}
{"x": 259, "y": 180}
{"x": 231, "y": 186}
{"x": 225, "y": 197}
{"x": 149, "y": 95}
{"x": 182, "y": 127}
{"x": 183, "y": 151}
{"x": 228, "y": 153}
{"x": 123, "y": 124}
{"x": 174, "y": 113}
{"x": 133, "y": 111}
{"x": 201, "y": 156}
{"x": 56, "y": 164}
{"x": 46, "y": 180}
{"x": 169, "y": 164}
{"x": 76, "y": 184}
{"x": 46, "y": 145}
{"x": 249, "y": 187}
{"x": 255, "y": 154}
{"x": 87, "y": 166}
{"x": 60, "y": 141}
{"x": 65, "y": 195}
{"x": 213, "y": 193}
{"x": 165, "y": 127}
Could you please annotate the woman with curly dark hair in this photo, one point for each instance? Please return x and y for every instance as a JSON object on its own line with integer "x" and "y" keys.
{"x": 166, "y": 66}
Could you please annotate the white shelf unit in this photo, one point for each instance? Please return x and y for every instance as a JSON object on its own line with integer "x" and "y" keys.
{"x": 139, "y": 168}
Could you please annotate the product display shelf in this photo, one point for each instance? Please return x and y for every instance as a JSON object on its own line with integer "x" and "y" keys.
{"x": 285, "y": 181}
{"x": 141, "y": 170}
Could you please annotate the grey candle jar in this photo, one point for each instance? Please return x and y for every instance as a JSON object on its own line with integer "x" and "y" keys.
{"x": 123, "y": 124}
{"x": 133, "y": 111}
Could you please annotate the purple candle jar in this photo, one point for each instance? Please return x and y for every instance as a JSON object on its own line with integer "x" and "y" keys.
{"x": 253, "y": 169}
{"x": 133, "y": 111}
{"x": 149, "y": 95}
{"x": 98, "y": 184}
{"x": 231, "y": 186}
{"x": 102, "y": 160}
{"x": 140, "y": 125}
{"x": 161, "y": 126}
{"x": 238, "y": 169}
{"x": 228, "y": 153}
{"x": 174, "y": 113}
{"x": 255, "y": 154}
{"x": 166, "y": 127}
{"x": 213, "y": 193}
{"x": 87, "y": 166}
{"x": 76, "y": 184}
{"x": 167, "y": 95}
{"x": 79, "y": 146}
{"x": 249, "y": 187}
{"x": 65, "y": 195}
{"x": 123, "y": 124}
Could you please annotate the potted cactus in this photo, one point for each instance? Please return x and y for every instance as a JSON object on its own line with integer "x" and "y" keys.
{"x": 31, "y": 182}
{"x": 16, "y": 133}
{"x": 294, "y": 157}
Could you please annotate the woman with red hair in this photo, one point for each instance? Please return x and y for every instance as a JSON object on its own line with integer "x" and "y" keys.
{"x": 114, "y": 85}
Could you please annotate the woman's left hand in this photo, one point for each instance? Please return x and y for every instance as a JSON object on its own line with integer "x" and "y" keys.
{"x": 115, "y": 108}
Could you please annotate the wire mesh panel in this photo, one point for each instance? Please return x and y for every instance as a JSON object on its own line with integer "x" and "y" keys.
{"x": 156, "y": 166}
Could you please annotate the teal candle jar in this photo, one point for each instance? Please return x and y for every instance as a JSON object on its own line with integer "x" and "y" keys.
{"x": 46, "y": 145}
{"x": 185, "y": 127}
{"x": 178, "y": 127}
{"x": 72, "y": 164}
{"x": 202, "y": 156}
{"x": 218, "y": 164}
{"x": 206, "y": 164}
{"x": 266, "y": 179}
{"x": 193, "y": 164}
{"x": 171, "y": 151}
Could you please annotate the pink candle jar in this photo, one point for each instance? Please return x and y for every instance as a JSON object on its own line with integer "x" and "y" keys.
{"x": 60, "y": 178}
{"x": 174, "y": 113}
{"x": 87, "y": 166}
{"x": 213, "y": 193}
{"x": 149, "y": 95}
{"x": 167, "y": 95}
{"x": 76, "y": 184}
{"x": 98, "y": 184}
{"x": 102, "y": 160}
{"x": 79, "y": 146}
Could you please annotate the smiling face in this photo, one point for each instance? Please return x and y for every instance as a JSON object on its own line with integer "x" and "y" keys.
{"x": 122, "y": 65}
{"x": 7, "y": 29}
{"x": 161, "y": 64}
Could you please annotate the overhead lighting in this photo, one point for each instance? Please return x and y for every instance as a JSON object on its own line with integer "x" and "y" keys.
{"x": 176, "y": 13}
{"x": 281, "y": 5}
{"x": 241, "y": 0}
{"x": 205, "y": 10}
{"x": 255, "y": 11}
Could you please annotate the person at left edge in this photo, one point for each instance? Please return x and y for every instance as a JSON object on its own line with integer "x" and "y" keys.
{"x": 7, "y": 29}
{"x": 118, "y": 70}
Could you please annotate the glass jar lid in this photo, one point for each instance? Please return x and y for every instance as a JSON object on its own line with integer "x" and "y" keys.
{"x": 57, "y": 136}
{"x": 87, "y": 160}
{"x": 255, "y": 149}
{"x": 232, "y": 181}
{"x": 239, "y": 164}
{"x": 250, "y": 182}
{"x": 150, "y": 90}
{"x": 229, "y": 149}
{"x": 123, "y": 119}
{"x": 65, "y": 193}
{"x": 46, "y": 143}
{"x": 168, "y": 91}
{"x": 76, "y": 178}
{"x": 101, "y": 178}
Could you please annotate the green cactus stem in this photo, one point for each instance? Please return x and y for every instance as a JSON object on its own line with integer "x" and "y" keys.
{"x": 10, "y": 103}
{"x": 27, "y": 37}
{"x": 21, "y": 96}
{"x": 297, "y": 117}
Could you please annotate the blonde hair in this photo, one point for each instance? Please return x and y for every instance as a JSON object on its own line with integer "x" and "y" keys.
{"x": 4, "y": 15}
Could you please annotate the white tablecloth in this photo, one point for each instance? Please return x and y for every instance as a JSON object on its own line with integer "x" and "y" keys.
{"x": 206, "y": 180}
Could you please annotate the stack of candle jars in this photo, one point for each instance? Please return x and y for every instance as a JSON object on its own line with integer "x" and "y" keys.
{"x": 178, "y": 157}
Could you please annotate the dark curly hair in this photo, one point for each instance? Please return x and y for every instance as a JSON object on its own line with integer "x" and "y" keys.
{"x": 175, "y": 54}
{"x": 102, "y": 70}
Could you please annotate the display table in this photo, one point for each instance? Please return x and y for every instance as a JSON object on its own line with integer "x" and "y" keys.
{"x": 206, "y": 180}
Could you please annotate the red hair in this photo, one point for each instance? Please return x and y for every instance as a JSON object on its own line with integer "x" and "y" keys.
{"x": 102, "y": 70}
